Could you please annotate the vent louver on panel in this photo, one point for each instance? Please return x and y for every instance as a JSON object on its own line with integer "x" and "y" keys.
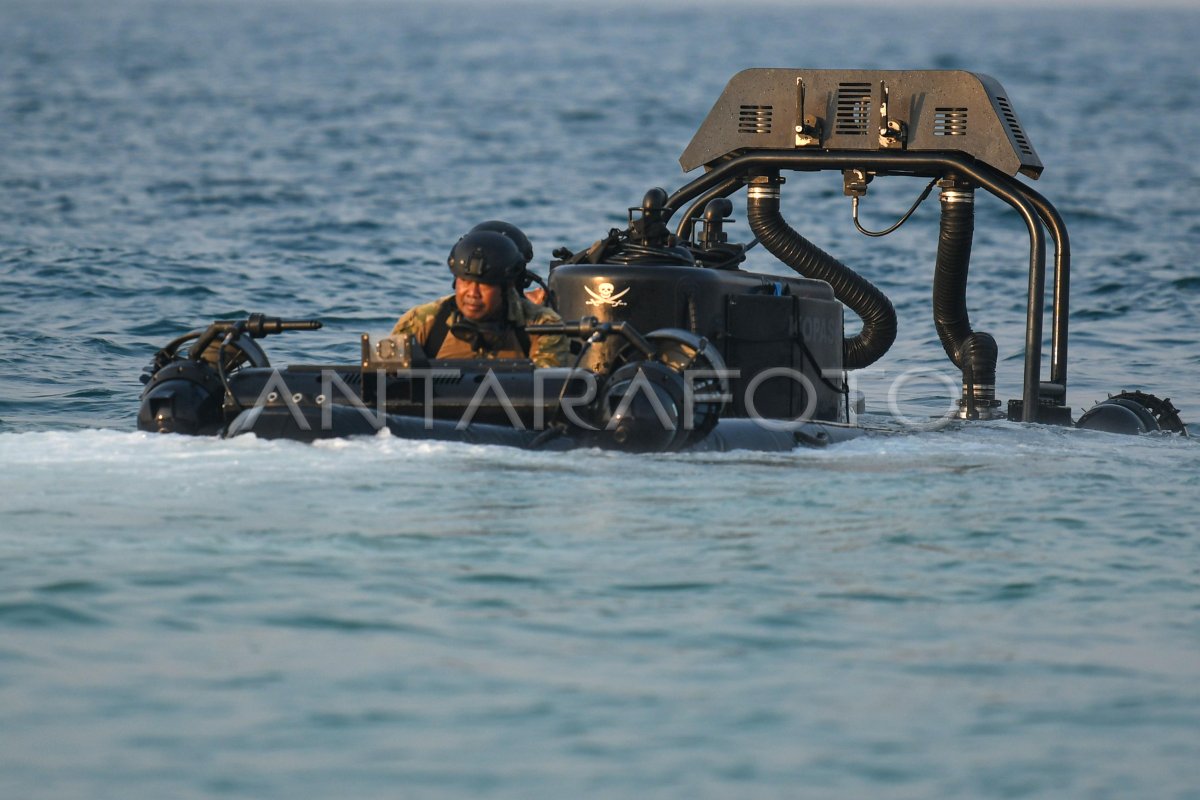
{"x": 853, "y": 113}
{"x": 950, "y": 122}
{"x": 1010, "y": 118}
{"x": 754, "y": 119}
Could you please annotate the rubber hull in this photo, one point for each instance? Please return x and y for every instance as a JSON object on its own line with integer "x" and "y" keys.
{"x": 309, "y": 424}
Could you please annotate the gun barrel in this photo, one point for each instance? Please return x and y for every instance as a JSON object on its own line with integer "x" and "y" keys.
{"x": 258, "y": 325}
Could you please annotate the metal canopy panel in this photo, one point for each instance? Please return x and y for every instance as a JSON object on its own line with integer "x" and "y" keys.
{"x": 842, "y": 110}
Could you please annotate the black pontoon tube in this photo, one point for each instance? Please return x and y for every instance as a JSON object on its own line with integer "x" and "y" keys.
{"x": 973, "y": 352}
{"x": 860, "y": 295}
{"x": 1020, "y": 197}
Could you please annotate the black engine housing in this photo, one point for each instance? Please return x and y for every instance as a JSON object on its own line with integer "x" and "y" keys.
{"x": 769, "y": 328}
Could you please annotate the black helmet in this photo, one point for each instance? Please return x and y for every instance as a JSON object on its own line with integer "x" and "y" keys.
{"x": 514, "y": 233}
{"x": 486, "y": 257}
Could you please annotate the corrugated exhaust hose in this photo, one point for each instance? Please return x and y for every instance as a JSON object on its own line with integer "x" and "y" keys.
{"x": 973, "y": 352}
{"x": 856, "y": 292}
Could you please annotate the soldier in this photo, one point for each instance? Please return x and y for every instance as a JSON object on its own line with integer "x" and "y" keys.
{"x": 523, "y": 244}
{"x": 487, "y": 314}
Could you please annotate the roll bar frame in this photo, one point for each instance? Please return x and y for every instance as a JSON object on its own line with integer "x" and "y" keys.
{"x": 728, "y": 176}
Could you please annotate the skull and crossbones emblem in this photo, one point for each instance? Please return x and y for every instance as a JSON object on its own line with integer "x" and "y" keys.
{"x": 605, "y": 297}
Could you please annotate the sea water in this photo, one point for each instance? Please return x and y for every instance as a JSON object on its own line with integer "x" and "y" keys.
{"x": 981, "y": 610}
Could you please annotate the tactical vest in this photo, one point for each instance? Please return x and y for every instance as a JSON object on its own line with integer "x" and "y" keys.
{"x": 440, "y": 343}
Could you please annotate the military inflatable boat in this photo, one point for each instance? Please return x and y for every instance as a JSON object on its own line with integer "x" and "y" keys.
{"x": 675, "y": 347}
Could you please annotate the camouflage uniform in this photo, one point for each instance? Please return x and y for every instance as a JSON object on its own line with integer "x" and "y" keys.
{"x": 545, "y": 351}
